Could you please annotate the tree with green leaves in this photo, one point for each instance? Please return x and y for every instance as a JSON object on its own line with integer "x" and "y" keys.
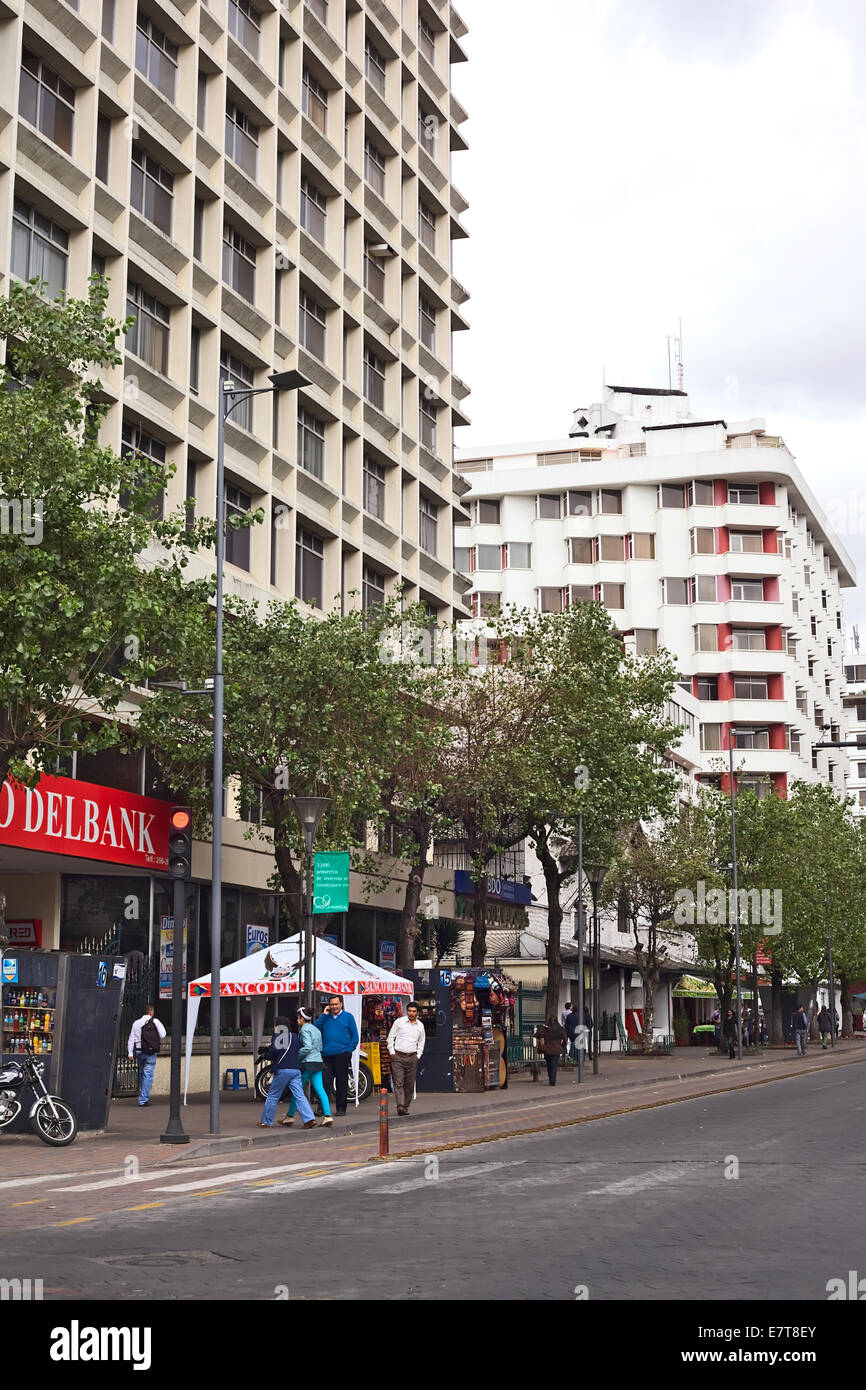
{"x": 81, "y": 618}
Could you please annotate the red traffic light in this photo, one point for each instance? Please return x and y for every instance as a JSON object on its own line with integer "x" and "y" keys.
{"x": 180, "y": 819}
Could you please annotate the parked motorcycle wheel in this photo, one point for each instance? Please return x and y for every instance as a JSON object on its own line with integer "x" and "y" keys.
{"x": 365, "y": 1083}
{"x": 58, "y": 1129}
{"x": 262, "y": 1083}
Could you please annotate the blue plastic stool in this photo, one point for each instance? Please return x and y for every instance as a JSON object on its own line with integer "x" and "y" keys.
{"x": 235, "y": 1084}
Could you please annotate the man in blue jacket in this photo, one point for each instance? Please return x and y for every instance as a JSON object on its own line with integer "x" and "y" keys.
{"x": 339, "y": 1040}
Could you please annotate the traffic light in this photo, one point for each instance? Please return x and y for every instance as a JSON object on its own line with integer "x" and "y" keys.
{"x": 180, "y": 842}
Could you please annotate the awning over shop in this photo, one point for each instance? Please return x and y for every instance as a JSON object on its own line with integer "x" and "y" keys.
{"x": 690, "y": 987}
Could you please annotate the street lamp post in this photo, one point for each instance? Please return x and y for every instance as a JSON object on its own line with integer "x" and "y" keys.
{"x": 595, "y": 873}
{"x": 736, "y": 900}
{"x": 831, "y": 983}
{"x": 580, "y": 923}
{"x": 309, "y": 811}
{"x": 230, "y": 397}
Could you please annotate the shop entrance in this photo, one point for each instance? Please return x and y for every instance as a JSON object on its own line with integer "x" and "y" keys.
{"x": 139, "y": 989}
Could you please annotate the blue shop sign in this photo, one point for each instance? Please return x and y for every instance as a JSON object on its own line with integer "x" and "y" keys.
{"x": 503, "y": 890}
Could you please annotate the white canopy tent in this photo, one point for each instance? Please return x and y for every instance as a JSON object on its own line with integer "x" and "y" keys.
{"x": 278, "y": 970}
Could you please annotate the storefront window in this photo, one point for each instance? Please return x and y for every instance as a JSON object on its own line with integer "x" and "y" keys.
{"x": 111, "y": 767}
{"x": 102, "y": 913}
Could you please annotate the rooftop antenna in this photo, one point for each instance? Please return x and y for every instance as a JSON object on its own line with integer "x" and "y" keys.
{"x": 679, "y": 355}
{"x": 856, "y": 640}
{"x": 670, "y": 379}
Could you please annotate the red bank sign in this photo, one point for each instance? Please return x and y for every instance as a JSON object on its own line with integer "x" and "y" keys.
{"x": 90, "y": 822}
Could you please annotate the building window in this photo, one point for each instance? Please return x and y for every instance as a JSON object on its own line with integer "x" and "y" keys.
{"x": 813, "y": 625}
{"x": 706, "y": 637}
{"x": 580, "y": 503}
{"x": 201, "y": 100}
{"x": 156, "y": 57}
{"x": 242, "y": 142}
{"x": 489, "y": 557}
{"x": 748, "y": 737}
{"x": 374, "y": 67}
{"x": 244, "y": 25}
{"x": 641, "y": 545}
{"x": 701, "y": 493}
{"x": 746, "y": 542}
{"x": 427, "y": 323}
{"x": 463, "y": 559}
{"x": 427, "y": 227}
{"x": 374, "y": 168}
{"x": 309, "y": 567}
{"x": 646, "y": 641}
{"x": 708, "y": 687}
{"x": 374, "y": 379}
{"x": 197, "y": 228}
{"x": 758, "y": 786}
{"x": 314, "y": 101}
{"x": 486, "y": 605}
{"x": 237, "y": 504}
{"x": 744, "y": 493}
{"x": 46, "y": 101}
{"x": 313, "y": 211}
{"x": 748, "y": 640}
{"x": 428, "y": 129}
{"x": 487, "y": 512}
{"x": 610, "y": 501}
{"x": 711, "y": 738}
{"x": 427, "y": 525}
{"x": 703, "y": 540}
{"x": 311, "y": 325}
{"x": 612, "y": 595}
{"x": 581, "y": 593}
{"x": 750, "y": 688}
{"x": 518, "y": 555}
{"x": 374, "y": 489}
{"x": 675, "y": 591}
{"x": 319, "y": 8}
{"x": 374, "y": 275}
{"x": 372, "y": 588}
{"x": 233, "y": 369}
{"x": 747, "y": 590}
{"x": 151, "y": 189}
{"x": 549, "y": 507}
{"x": 239, "y": 264}
{"x": 108, "y": 20}
{"x": 311, "y": 443}
{"x": 194, "y": 358}
{"x": 549, "y": 600}
{"x": 672, "y": 495}
{"x": 137, "y": 444}
{"x": 427, "y": 412}
{"x": 148, "y": 336}
{"x": 702, "y": 588}
{"x": 40, "y": 249}
{"x": 580, "y": 550}
{"x": 609, "y": 548}
{"x": 426, "y": 41}
{"x": 103, "y": 146}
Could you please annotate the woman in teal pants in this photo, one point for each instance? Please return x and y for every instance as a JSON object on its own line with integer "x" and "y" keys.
{"x": 310, "y": 1040}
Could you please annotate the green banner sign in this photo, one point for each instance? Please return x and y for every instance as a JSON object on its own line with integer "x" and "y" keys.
{"x": 331, "y": 881}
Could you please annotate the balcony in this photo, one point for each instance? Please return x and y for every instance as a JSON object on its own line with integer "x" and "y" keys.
{"x": 749, "y": 761}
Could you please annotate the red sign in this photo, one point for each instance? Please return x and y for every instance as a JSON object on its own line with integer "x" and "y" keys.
{"x": 25, "y": 933}
{"x": 89, "y": 822}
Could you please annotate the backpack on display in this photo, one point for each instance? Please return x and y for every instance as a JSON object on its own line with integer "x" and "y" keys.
{"x": 150, "y": 1038}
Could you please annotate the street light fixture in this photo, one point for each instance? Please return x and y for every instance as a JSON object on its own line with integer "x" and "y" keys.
{"x": 309, "y": 811}
{"x": 230, "y": 397}
{"x": 595, "y": 874}
{"x": 736, "y": 899}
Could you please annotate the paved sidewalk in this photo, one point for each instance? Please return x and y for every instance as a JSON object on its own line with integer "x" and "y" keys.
{"x": 624, "y": 1083}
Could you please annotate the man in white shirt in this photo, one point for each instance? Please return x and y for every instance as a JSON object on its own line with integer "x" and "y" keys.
{"x": 143, "y": 1051}
{"x": 406, "y": 1044}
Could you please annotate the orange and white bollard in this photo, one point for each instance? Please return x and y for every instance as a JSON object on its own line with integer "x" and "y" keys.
{"x": 383, "y": 1123}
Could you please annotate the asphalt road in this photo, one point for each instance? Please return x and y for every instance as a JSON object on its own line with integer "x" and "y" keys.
{"x": 753, "y": 1194}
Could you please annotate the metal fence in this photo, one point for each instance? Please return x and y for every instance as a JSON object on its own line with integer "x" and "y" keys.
{"x": 139, "y": 989}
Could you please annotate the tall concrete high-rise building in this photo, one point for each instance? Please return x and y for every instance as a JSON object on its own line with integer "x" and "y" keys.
{"x": 265, "y": 185}
{"x": 699, "y": 535}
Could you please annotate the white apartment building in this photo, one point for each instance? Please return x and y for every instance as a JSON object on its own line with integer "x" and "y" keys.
{"x": 854, "y": 701}
{"x": 700, "y": 536}
{"x": 266, "y": 185}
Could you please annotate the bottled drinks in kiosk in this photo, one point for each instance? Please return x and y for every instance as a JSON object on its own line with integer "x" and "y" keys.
{"x": 67, "y": 1007}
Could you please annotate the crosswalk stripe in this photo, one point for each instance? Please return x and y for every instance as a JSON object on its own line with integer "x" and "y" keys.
{"x": 48, "y": 1177}
{"x": 449, "y": 1175}
{"x": 236, "y": 1177}
{"x": 121, "y": 1180}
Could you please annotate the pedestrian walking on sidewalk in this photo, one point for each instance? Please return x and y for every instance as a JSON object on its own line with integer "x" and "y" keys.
{"x": 564, "y": 1016}
{"x": 406, "y": 1045}
{"x": 551, "y": 1044}
{"x": 312, "y": 1066}
{"x": 824, "y": 1026}
{"x": 145, "y": 1036}
{"x": 729, "y": 1029}
{"x": 801, "y": 1029}
{"x": 339, "y": 1039}
{"x": 284, "y": 1053}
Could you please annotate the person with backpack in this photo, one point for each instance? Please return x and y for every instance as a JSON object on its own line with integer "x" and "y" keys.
{"x": 145, "y": 1036}
{"x": 284, "y": 1054}
{"x": 551, "y": 1045}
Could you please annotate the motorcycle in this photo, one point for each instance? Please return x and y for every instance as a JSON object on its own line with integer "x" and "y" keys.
{"x": 264, "y": 1076}
{"x": 51, "y": 1118}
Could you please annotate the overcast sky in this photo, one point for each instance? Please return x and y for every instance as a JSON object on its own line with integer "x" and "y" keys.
{"x": 632, "y": 162}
